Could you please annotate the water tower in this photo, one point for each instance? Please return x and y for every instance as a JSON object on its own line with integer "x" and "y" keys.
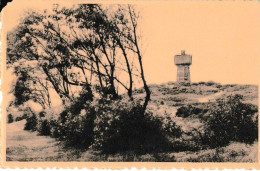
{"x": 183, "y": 63}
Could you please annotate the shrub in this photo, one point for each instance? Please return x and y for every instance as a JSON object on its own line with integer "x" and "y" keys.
{"x": 85, "y": 97}
{"x": 183, "y": 112}
{"x": 54, "y": 129}
{"x": 185, "y": 145}
{"x": 42, "y": 114}
{"x": 219, "y": 86}
{"x": 109, "y": 126}
{"x": 63, "y": 116}
{"x": 121, "y": 126}
{"x": 112, "y": 126}
{"x": 139, "y": 91}
{"x": 210, "y": 83}
{"x": 74, "y": 129}
{"x": 78, "y": 130}
{"x": 231, "y": 120}
{"x": 31, "y": 122}
{"x": 74, "y": 125}
{"x": 10, "y": 118}
{"x": 186, "y": 111}
{"x": 168, "y": 125}
{"x": 43, "y": 127}
{"x": 19, "y": 118}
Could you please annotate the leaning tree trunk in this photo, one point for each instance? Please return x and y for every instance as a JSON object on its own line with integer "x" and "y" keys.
{"x": 146, "y": 88}
{"x": 133, "y": 18}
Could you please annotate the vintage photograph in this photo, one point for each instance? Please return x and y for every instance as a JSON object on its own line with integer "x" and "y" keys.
{"x": 131, "y": 82}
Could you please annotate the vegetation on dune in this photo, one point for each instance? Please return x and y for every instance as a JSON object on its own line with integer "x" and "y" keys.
{"x": 117, "y": 126}
{"x": 115, "y": 129}
{"x": 227, "y": 120}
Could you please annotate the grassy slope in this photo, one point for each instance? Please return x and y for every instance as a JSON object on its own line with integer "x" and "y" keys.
{"x": 169, "y": 97}
{"x": 171, "y": 94}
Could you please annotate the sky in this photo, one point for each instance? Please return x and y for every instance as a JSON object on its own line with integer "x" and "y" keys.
{"x": 223, "y": 38}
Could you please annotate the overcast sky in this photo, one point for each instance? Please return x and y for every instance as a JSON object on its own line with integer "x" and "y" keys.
{"x": 222, "y": 37}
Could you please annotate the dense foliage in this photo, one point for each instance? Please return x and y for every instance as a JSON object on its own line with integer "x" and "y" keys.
{"x": 186, "y": 111}
{"x": 231, "y": 120}
{"x": 109, "y": 126}
{"x": 123, "y": 127}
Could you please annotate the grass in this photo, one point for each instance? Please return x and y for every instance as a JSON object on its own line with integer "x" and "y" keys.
{"x": 235, "y": 152}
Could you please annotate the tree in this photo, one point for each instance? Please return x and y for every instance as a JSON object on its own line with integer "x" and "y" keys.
{"x": 128, "y": 34}
{"x": 88, "y": 46}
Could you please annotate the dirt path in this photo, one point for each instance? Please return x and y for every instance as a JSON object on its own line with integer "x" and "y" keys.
{"x": 24, "y": 145}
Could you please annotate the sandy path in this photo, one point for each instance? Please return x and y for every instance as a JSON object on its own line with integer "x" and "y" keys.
{"x": 210, "y": 97}
{"x": 24, "y": 145}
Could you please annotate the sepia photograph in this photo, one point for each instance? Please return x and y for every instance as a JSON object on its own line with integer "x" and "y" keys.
{"x": 155, "y": 81}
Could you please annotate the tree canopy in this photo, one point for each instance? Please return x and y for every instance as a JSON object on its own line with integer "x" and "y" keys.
{"x": 88, "y": 46}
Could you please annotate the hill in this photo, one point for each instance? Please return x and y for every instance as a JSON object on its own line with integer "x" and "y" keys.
{"x": 168, "y": 97}
{"x": 173, "y": 94}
